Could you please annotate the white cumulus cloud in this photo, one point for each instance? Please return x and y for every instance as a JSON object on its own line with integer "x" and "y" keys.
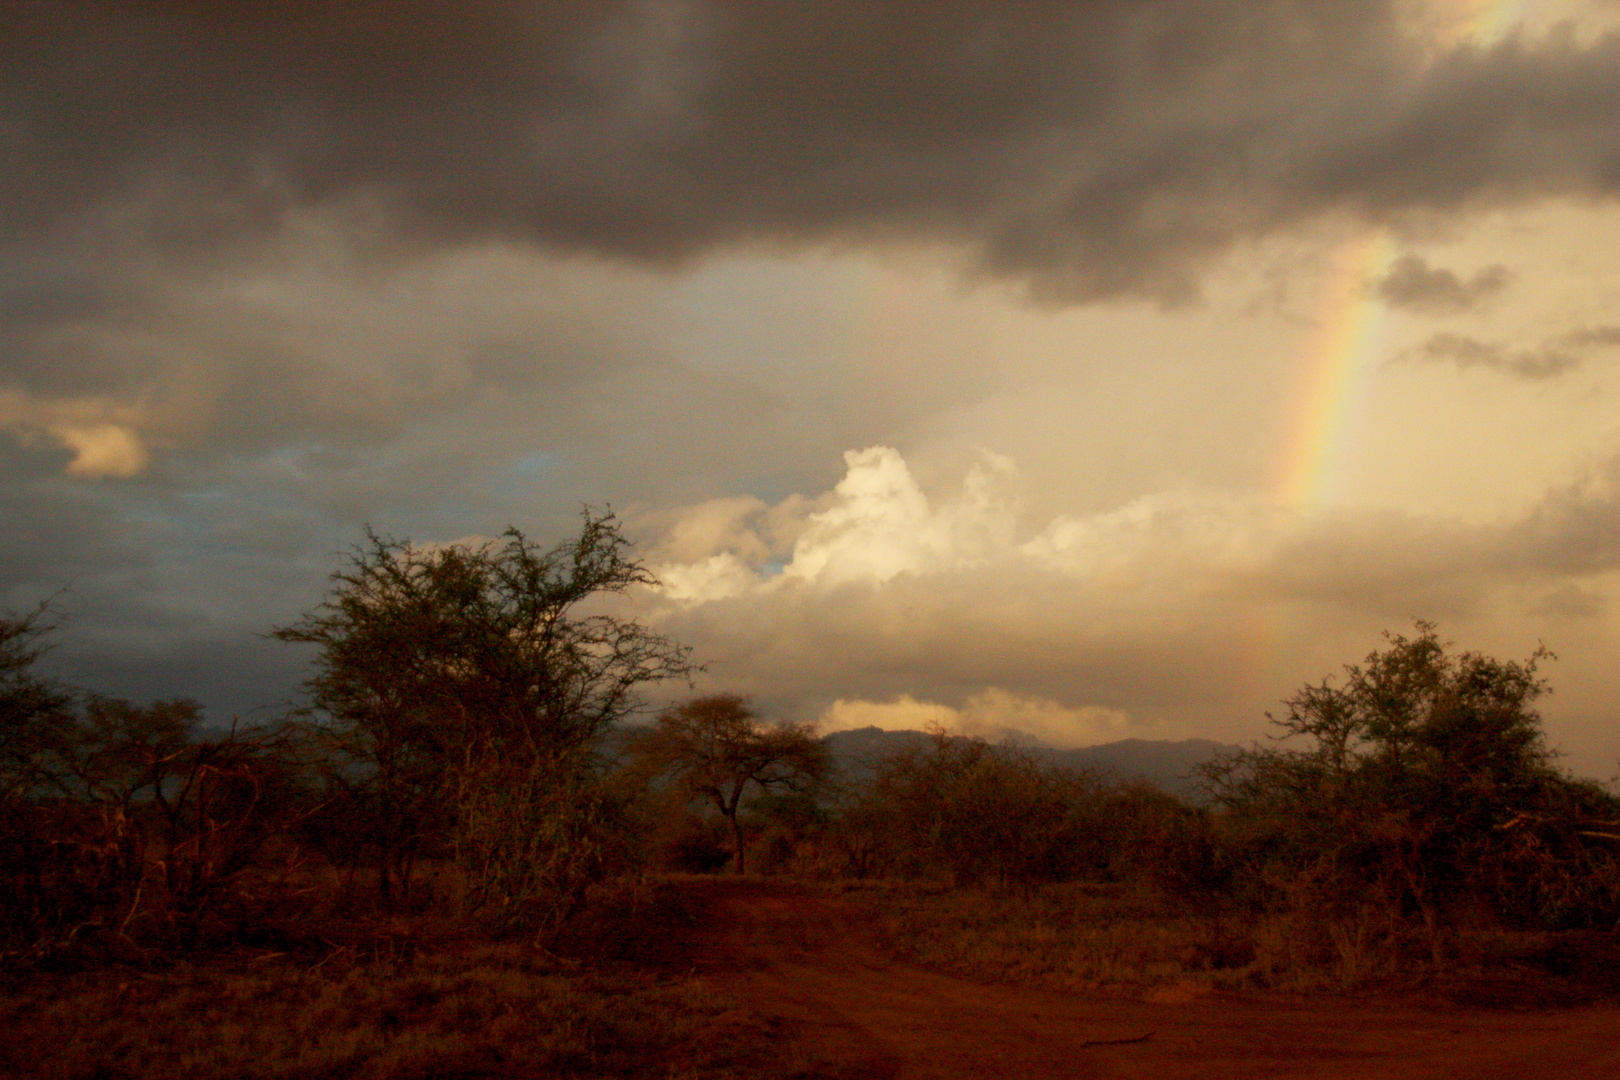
{"x": 881, "y": 525}
{"x": 1176, "y": 614}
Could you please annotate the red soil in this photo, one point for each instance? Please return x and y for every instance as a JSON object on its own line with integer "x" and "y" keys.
{"x": 810, "y": 960}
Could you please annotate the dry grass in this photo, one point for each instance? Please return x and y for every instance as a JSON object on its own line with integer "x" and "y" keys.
{"x": 1067, "y": 937}
{"x": 617, "y": 996}
{"x": 406, "y": 1004}
{"x": 1115, "y": 939}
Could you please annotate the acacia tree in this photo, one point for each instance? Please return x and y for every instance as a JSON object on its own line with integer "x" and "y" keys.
{"x": 35, "y": 715}
{"x": 118, "y": 819}
{"x": 715, "y": 747}
{"x": 449, "y": 677}
{"x": 182, "y": 813}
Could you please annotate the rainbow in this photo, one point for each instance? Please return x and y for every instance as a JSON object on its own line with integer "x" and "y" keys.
{"x": 1342, "y": 352}
{"x": 1339, "y": 356}
{"x": 1344, "y": 349}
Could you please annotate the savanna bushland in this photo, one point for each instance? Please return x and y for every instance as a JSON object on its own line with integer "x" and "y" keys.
{"x": 467, "y": 853}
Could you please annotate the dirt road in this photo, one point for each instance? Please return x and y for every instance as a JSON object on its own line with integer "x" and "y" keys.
{"x": 811, "y": 960}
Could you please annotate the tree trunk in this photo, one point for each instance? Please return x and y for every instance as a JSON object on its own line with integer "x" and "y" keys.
{"x": 737, "y": 832}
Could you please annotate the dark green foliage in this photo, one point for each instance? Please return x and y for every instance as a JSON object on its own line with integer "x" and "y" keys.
{"x": 793, "y": 810}
{"x": 693, "y": 843}
{"x": 1154, "y": 837}
{"x": 792, "y": 828}
{"x": 1421, "y": 789}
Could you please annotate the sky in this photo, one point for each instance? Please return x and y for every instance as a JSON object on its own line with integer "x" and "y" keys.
{"x": 1097, "y": 369}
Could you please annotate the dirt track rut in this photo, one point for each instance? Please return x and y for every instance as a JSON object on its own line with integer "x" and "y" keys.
{"x": 810, "y": 960}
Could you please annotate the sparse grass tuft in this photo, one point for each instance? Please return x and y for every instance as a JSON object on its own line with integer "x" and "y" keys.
{"x": 1073, "y": 936}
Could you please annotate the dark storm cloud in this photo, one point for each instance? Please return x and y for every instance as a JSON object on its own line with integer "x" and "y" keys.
{"x": 1469, "y": 352}
{"x": 53, "y": 538}
{"x": 242, "y": 679}
{"x": 38, "y": 300}
{"x": 58, "y": 535}
{"x": 1092, "y": 148}
{"x": 1413, "y": 283}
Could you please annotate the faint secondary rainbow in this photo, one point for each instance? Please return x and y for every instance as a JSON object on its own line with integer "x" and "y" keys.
{"x": 1338, "y": 358}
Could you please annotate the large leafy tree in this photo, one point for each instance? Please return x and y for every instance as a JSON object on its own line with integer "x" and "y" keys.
{"x": 447, "y": 672}
{"x": 716, "y": 749}
{"x": 1421, "y": 785}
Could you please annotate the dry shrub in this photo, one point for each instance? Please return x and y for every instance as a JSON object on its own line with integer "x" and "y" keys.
{"x": 161, "y": 839}
{"x": 1407, "y": 807}
{"x": 1327, "y": 929}
{"x": 1066, "y": 936}
{"x": 414, "y": 996}
{"x": 690, "y": 843}
{"x": 972, "y": 812}
{"x": 534, "y": 836}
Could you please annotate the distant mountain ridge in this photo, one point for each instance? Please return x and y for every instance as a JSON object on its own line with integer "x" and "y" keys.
{"x": 1168, "y": 765}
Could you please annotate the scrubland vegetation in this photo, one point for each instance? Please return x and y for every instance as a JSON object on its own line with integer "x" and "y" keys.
{"x": 458, "y": 858}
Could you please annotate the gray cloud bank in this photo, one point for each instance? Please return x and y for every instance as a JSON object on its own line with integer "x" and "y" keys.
{"x": 1413, "y": 283}
{"x": 1554, "y": 357}
{"x": 1091, "y": 148}
{"x": 266, "y": 226}
{"x": 1470, "y": 352}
